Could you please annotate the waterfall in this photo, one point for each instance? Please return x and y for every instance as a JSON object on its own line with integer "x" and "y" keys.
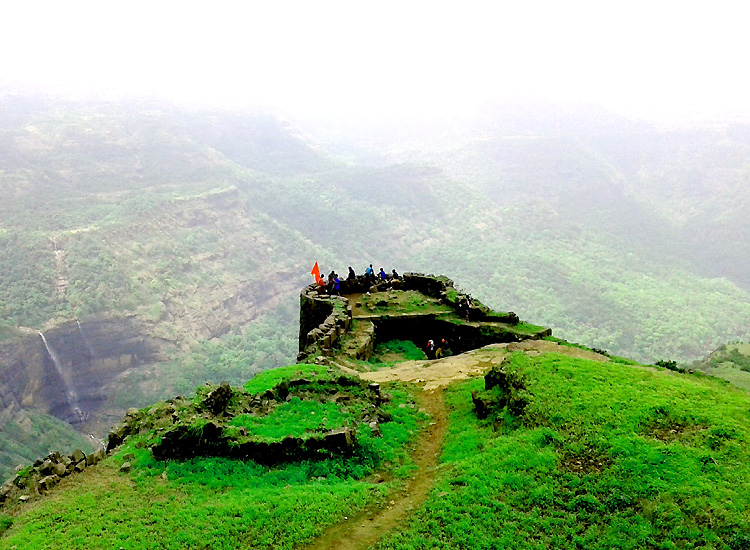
{"x": 70, "y": 394}
{"x": 86, "y": 340}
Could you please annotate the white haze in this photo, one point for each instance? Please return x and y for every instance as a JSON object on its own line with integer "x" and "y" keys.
{"x": 388, "y": 59}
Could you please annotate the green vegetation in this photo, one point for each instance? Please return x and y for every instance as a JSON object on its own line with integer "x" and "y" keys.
{"x": 605, "y": 456}
{"x": 409, "y": 301}
{"x": 295, "y": 418}
{"x": 34, "y": 435}
{"x": 198, "y": 223}
{"x": 730, "y": 362}
{"x": 215, "y": 502}
{"x": 528, "y": 328}
{"x": 5, "y": 523}
{"x": 398, "y": 350}
{"x": 732, "y": 354}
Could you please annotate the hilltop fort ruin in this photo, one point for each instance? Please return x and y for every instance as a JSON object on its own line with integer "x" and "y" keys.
{"x": 417, "y": 307}
{"x": 338, "y": 335}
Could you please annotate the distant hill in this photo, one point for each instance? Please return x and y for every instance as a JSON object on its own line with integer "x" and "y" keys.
{"x": 730, "y": 362}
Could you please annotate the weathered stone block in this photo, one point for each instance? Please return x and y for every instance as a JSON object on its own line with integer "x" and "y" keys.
{"x": 47, "y": 467}
{"x": 77, "y": 456}
{"x": 46, "y": 483}
{"x": 94, "y": 457}
{"x": 340, "y": 439}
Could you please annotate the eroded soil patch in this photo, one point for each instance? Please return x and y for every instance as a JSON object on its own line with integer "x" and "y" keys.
{"x": 588, "y": 461}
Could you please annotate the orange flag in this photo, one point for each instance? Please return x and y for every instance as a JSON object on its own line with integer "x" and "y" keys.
{"x": 316, "y": 273}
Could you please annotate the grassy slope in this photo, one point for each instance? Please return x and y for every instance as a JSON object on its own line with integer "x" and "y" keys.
{"x": 217, "y": 502}
{"x": 609, "y": 456}
{"x": 38, "y": 436}
{"x": 730, "y": 362}
{"x": 165, "y": 215}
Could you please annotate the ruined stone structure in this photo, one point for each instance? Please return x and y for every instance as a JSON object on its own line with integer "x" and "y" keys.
{"x": 326, "y": 321}
{"x": 331, "y": 328}
{"x": 45, "y": 473}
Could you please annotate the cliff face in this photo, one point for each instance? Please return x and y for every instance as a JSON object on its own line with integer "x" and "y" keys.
{"x": 63, "y": 371}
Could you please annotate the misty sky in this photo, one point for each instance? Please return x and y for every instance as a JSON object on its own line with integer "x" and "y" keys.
{"x": 651, "y": 59}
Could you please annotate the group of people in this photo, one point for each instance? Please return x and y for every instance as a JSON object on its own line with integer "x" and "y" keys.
{"x": 334, "y": 283}
{"x": 436, "y": 350}
{"x": 381, "y": 276}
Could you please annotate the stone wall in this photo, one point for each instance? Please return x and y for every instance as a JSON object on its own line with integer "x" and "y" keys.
{"x": 46, "y": 473}
{"x": 323, "y": 321}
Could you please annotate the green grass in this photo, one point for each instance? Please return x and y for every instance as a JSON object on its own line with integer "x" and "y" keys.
{"x": 5, "y": 523}
{"x": 593, "y": 464}
{"x": 527, "y": 328}
{"x": 135, "y": 512}
{"x": 295, "y": 418}
{"x": 214, "y": 502}
{"x": 266, "y": 380}
{"x": 409, "y": 301}
{"x": 403, "y": 349}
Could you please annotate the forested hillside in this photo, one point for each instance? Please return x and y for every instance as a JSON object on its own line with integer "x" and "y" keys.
{"x": 202, "y": 226}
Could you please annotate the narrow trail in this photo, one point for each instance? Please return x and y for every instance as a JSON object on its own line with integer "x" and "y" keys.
{"x": 61, "y": 279}
{"x": 363, "y": 530}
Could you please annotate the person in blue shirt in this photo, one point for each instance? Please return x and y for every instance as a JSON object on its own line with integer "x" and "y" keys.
{"x": 382, "y": 275}
{"x": 370, "y": 272}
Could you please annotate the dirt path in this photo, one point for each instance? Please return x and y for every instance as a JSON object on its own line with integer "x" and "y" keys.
{"x": 363, "y": 530}
{"x": 439, "y": 373}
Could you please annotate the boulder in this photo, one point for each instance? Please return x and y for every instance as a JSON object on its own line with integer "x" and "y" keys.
{"x": 5, "y": 490}
{"x": 116, "y": 436}
{"x": 54, "y": 457}
{"x": 46, "y": 483}
{"x": 340, "y": 439}
{"x": 77, "y": 456}
{"x": 218, "y": 399}
{"x": 375, "y": 429}
{"x": 482, "y": 405}
{"x": 282, "y": 389}
{"x": 47, "y": 467}
{"x": 94, "y": 457}
{"x": 125, "y": 468}
{"x": 60, "y": 469}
